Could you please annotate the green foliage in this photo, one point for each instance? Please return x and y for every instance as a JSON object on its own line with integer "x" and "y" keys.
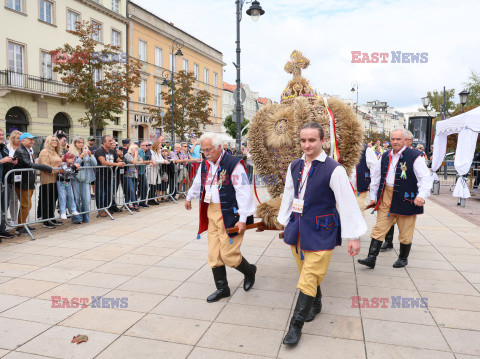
{"x": 231, "y": 126}
{"x": 190, "y": 106}
{"x": 77, "y": 65}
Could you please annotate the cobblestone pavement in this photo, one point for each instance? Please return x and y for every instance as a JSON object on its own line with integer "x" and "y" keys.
{"x": 153, "y": 261}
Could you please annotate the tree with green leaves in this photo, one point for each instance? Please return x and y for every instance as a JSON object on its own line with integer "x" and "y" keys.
{"x": 436, "y": 99}
{"x": 231, "y": 126}
{"x": 191, "y": 108}
{"x": 473, "y": 86}
{"x": 99, "y": 75}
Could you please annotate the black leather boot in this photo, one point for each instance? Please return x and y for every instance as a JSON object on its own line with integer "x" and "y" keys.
{"x": 223, "y": 291}
{"x": 372, "y": 254}
{"x": 316, "y": 307}
{"x": 388, "y": 244}
{"x": 304, "y": 304}
{"x": 402, "y": 260}
{"x": 248, "y": 270}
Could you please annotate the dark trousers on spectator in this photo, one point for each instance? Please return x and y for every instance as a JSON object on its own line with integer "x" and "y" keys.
{"x": 47, "y": 200}
{"x": 103, "y": 192}
{"x": 142, "y": 188}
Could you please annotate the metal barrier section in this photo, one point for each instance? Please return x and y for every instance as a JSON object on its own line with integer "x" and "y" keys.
{"x": 30, "y": 196}
{"x": 184, "y": 176}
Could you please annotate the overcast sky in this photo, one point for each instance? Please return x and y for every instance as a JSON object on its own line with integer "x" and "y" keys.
{"x": 328, "y": 31}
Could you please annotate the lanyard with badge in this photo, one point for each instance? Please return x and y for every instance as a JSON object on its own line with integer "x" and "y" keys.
{"x": 298, "y": 203}
{"x": 208, "y": 196}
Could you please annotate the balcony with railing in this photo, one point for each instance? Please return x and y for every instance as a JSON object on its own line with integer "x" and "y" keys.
{"x": 11, "y": 81}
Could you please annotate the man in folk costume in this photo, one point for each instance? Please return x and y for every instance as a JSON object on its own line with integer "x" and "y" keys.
{"x": 388, "y": 242}
{"x": 226, "y": 201}
{"x": 360, "y": 177}
{"x": 315, "y": 186}
{"x": 400, "y": 185}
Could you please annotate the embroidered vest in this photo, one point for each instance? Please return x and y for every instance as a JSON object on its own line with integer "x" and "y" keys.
{"x": 318, "y": 227}
{"x": 405, "y": 187}
{"x": 228, "y": 200}
{"x": 363, "y": 173}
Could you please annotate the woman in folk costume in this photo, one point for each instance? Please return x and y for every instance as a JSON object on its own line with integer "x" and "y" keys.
{"x": 316, "y": 186}
{"x": 226, "y": 201}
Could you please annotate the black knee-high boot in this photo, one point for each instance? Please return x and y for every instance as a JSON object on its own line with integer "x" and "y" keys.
{"x": 372, "y": 254}
{"x": 248, "y": 270}
{"x": 223, "y": 291}
{"x": 388, "y": 243}
{"x": 402, "y": 260}
{"x": 304, "y": 304}
{"x": 316, "y": 307}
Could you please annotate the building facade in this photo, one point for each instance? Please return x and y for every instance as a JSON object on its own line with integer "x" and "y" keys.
{"x": 29, "y": 30}
{"x": 150, "y": 41}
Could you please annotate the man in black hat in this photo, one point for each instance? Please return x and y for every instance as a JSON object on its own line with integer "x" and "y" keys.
{"x": 125, "y": 146}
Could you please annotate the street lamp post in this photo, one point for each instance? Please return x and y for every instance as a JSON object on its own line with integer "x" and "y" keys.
{"x": 463, "y": 98}
{"x": 255, "y": 11}
{"x": 355, "y": 84}
{"x": 177, "y": 44}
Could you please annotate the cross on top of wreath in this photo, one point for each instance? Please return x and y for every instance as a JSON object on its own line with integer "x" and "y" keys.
{"x": 297, "y": 63}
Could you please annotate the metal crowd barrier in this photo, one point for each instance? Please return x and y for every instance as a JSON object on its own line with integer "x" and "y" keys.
{"x": 140, "y": 184}
{"x": 447, "y": 175}
{"x": 31, "y": 196}
{"x": 184, "y": 176}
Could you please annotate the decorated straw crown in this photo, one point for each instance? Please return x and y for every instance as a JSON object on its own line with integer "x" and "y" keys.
{"x": 298, "y": 86}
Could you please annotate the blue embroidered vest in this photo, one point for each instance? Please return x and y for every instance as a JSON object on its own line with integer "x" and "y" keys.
{"x": 228, "y": 200}
{"x": 363, "y": 173}
{"x": 318, "y": 227}
{"x": 405, "y": 187}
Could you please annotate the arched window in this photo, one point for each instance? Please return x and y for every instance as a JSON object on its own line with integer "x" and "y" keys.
{"x": 61, "y": 123}
{"x": 16, "y": 119}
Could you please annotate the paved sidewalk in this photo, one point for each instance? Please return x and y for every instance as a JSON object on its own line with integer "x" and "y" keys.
{"x": 154, "y": 260}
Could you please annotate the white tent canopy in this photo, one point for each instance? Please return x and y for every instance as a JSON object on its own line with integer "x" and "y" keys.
{"x": 467, "y": 125}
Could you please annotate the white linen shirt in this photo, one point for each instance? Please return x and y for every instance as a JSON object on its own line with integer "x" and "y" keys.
{"x": 353, "y": 223}
{"x": 420, "y": 169}
{"x": 243, "y": 193}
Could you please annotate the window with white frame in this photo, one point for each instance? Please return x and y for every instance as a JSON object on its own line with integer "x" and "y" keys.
{"x": 116, "y": 38}
{"x": 15, "y": 5}
{"x": 215, "y": 79}
{"x": 158, "y": 94}
{"x": 47, "y": 71}
{"x": 214, "y": 108}
{"x": 158, "y": 57}
{"x": 46, "y": 11}
{"x": 142, "y": 91}
{"x": 185, "y": 65}
{"x": 116, "y": 5}
{"x": 142, "y": 50}
{"x": 196, "y": 71}
{"x": 15, "y": 57}
{"x": 97, "y": 35}
{"x": 206, "y": 74}
{"x": 72, "y": 19}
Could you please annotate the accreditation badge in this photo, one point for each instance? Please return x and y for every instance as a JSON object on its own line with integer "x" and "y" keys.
{"x": 297, "y": 206}
{"x": 207, "y": 198}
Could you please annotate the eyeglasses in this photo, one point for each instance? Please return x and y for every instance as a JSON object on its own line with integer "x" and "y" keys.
{"x": 53, "y": 140}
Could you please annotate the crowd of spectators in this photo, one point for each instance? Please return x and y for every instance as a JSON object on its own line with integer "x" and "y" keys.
{"x": 71, "y": 175}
